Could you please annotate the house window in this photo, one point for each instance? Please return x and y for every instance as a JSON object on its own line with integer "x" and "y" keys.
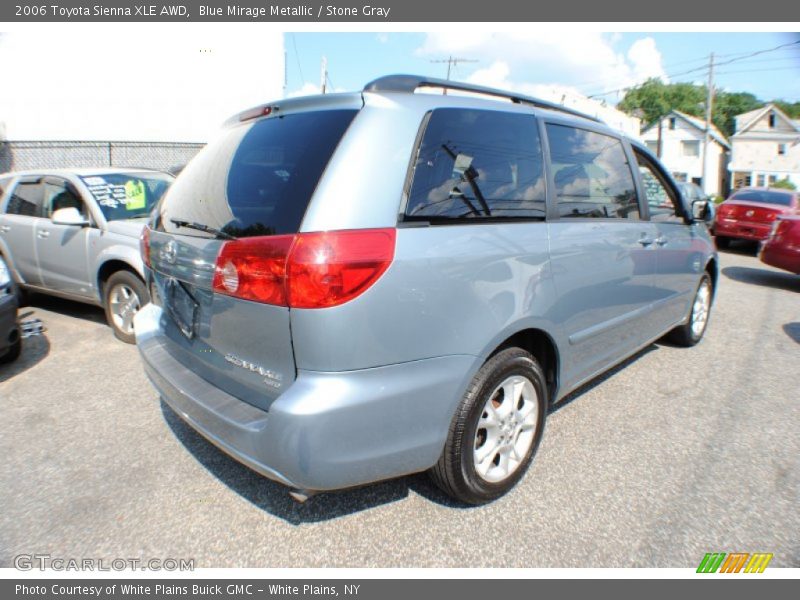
{"x": 772, "y": 120}
{"x": 652, "y": 145}
{"x": 672, "y": 122}
{"x": 760, "y": 180}
{"x": 781, "y": 149}
{"x": 679, "y": 176}
{"x": 773, "y": 179}
{"x": 690, "y": 148}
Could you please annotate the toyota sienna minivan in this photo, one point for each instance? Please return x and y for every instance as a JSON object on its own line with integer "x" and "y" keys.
{"x": 354, "y": 287}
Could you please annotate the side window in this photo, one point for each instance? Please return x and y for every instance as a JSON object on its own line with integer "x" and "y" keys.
{"x": 663, "y": 202}
{"x": 474, "y": 164}
{"x": 26, "y": 200}
{"x": 592, "y": 175}
{"x": 59, "y": 194}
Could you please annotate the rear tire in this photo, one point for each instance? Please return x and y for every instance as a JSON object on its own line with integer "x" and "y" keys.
{"x": 496, "y": 429}
{"x": 692, "y": 331}
{"x": 12, "y": 353}
{"x": 123, "y": 295}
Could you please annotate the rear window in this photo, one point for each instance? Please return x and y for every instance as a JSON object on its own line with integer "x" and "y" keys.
{"x": 255, "y": 179}
{"x": 763, "y": 197}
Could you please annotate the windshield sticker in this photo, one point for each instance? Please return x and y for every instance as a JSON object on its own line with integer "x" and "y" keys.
{"x": 134, "y": 195}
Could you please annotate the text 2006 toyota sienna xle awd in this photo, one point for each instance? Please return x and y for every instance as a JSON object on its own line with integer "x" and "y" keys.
{"x": 353, "y": 287}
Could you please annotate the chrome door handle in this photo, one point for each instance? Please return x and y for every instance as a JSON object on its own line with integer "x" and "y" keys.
{"x": 645, "y": 241}
{"x": 661, "y": 241}
{"x": 41, "y": 234}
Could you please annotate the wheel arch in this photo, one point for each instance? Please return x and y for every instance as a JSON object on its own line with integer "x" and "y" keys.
{"x": 108, "y": 268}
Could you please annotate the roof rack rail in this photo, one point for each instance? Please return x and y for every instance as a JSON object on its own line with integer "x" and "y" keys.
{"x": 410, "y": 83}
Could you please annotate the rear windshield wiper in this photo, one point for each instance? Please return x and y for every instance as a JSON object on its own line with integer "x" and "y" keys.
{"x": 204, "y": 228}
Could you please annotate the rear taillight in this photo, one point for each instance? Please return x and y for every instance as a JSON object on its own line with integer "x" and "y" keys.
{"x": 254, "y": 269}
{"x": 307, "y": 270}
{"x": 725, "y": 210}
{"x": 144, "y": 246}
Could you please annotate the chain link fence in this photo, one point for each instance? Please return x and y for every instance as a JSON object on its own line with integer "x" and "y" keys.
{"x": 163, "y": 156}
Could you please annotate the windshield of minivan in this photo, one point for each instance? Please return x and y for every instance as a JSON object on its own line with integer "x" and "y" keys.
{"x": 127, "y": 195}
{"x": 764, "y": 197}
{"x": 255, "y": 179}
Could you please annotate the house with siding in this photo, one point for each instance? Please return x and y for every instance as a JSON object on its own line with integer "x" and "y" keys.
{"x": 677, "y": 139}
{"x": 765, "y": 148}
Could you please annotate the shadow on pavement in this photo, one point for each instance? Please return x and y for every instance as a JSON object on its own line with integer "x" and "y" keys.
{"x": 64, "y": 307}
{"x": 793, "y": 331}
{"x": 34, "y": 350}
{"x": 274, "y": 498}
{"x": 765, "y": 277}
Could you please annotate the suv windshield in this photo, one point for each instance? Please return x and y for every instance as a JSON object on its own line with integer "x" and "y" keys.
{"x": 255, "y": 179}
{"x": 764, "y": 197}
{"x": 127, "y": 195}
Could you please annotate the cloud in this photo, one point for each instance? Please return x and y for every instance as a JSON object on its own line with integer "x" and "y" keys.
{"x": 583, "y": 60}
{"x": 312, "y": 89}
{"x": 383, "y": 38}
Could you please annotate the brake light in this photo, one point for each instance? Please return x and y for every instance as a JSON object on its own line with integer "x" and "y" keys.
{"x": 725, "y": 210}
{"x": 254, "y": 269}
{"x": 144, "y": 246}
{"x": 307, "y": 270}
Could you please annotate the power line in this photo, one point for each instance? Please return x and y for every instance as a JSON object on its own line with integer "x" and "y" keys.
{"x": 297, "y": 56}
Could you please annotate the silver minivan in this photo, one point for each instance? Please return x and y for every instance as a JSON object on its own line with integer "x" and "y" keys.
{"x": 353, "y": 287}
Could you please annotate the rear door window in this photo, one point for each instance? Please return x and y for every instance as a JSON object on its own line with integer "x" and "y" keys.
{"x": 477, "y": 164}
{"x": 26, "y": 199}
{"x": 256, "y": 179}
{"x": 592, "y": 176}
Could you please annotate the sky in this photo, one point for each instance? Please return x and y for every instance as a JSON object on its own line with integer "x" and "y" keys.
{"x": 179, "y": 82}
{"x": 588, "y": 62}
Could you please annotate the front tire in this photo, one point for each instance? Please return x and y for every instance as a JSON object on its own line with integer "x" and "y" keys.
{"x": 496, "y": 429}
{"x": 12, "y": 353}
{"x": 123, "y": 295}
{"x": 692, "y": 331}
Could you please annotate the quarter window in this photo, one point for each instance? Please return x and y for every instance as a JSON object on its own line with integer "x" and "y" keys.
{"x": 26, "y": 200}
{"x": 592, "y": 175}
{"x": 477, "y": 164}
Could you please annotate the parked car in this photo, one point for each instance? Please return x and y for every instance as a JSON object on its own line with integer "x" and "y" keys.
{"x": 782, "y": 247}
{"x": 75, "y": 234}
{"x": 10, "y": 338}
{"x": 355, "y": 287}
{"x": 749, "y": 213}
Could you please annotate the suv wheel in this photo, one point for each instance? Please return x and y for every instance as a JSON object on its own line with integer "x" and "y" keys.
{"x": 124, "y": 295}
{"x": 495, "y": 431}
{"x": 691, "y": 332}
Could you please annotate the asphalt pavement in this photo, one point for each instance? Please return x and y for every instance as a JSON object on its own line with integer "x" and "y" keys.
{"x": 675, "y": 453}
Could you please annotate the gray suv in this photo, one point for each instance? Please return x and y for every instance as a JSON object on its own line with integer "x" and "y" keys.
{"x": 75, "y": 234}
{"x": 354, "y": 287}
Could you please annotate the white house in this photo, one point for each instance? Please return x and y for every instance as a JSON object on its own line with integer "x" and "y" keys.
{"x": 765, "y": 148}
{"x": 678, "y": 141}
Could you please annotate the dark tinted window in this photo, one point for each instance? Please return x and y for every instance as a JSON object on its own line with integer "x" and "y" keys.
{"x": 26, "y": 199}
{"x": 764, "y": 197}
{"x": 478, "y": 164}
{"x": 59, "y": 194}
{"x": 592, "y": 175}
{"x": 256, "y": 179}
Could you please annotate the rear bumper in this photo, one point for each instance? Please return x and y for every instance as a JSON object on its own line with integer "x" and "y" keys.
{"x": 9, "y": 331}
{"x": 742, "y": 230}
{"x": 327, "y": 430}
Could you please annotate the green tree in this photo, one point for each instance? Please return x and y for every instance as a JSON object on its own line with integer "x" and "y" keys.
{"x": 784, "y": 184}
{"x": 655, "y": 99}
{"x": 792, "y": 109}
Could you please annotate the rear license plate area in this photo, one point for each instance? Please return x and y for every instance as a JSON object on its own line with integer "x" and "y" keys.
{"x": 182, "y": 307}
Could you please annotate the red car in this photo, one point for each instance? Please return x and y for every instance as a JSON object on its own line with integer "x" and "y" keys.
{"x": 750, "y": 213}
{"x": 782, "y": 248}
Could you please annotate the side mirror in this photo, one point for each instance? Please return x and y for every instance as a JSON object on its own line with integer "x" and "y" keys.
{"x": 69, "y": 216}
{"x": 703, "y": 210}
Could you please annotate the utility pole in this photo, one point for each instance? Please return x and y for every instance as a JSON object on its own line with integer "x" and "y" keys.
{"x": 452, "y": 62}
{"x": 709, "y": 109}
{"x": 323, "y": 75}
